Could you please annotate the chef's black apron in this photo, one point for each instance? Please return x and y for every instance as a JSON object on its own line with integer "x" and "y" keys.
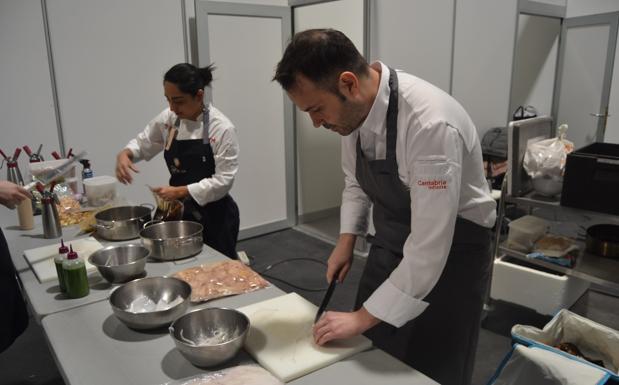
{"x": 190, "y": 161}
{"x": 14, "y": 319}
{"x": 441, "y": 342}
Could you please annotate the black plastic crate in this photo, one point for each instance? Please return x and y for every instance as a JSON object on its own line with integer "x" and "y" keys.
{"x": 591, "y": 180}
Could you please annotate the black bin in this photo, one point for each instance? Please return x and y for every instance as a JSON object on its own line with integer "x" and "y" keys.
{"x": 591, "y": 179}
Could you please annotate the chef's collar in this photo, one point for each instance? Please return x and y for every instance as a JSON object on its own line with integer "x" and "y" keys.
{"x": 199, "y": 118}
{"x": 375, "y": 121}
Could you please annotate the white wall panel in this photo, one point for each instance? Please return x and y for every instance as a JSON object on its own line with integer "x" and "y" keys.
{"x": 483, "y": 55}
{"x": 414, "y": 36}
{"x": 553, "y": 2}
{"x": 535, "y": 62}
{"x": 590, "y": 7}
{"x": 26, "y": 102}
{"x": 319, "y": 172}
{"x": 263, "y": 2}
{"x": 612, "y": 125}
{"x": 245, "y": 51}
{"x": 582, "y": 81}
{"x": 110, "y": 57}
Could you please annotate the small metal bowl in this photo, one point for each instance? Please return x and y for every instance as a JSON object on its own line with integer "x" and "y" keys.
{"x": 210, "y": 336}
{"x": 120, "y": 263}
{"x": 155, "y": 289}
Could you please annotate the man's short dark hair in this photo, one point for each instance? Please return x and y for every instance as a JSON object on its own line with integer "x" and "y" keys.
{"x": 320, "y": 55}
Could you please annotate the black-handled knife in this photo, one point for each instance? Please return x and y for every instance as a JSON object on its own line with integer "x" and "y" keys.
{"x": 327, "y": 297}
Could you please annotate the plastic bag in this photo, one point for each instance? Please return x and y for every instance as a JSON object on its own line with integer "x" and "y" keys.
{"x": 595, "y": 341}
{"x": 537, "y": 366}
{"x": 547, "y": 157}
{"x": 220, "y": 279}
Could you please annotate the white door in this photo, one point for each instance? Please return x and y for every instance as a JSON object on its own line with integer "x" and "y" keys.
{"x": 586, "y": 57}
{"x": 319, "y": 175}
{"x": 245, "y": 42}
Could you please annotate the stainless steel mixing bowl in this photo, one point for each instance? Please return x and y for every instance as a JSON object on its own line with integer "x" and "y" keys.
{"x": 172, "y": 240}
{"x": 120, "y": 263}
{"x": 156, "y": 289}
{"x": 210, "y": 336}
{"x": 121, "y": 223}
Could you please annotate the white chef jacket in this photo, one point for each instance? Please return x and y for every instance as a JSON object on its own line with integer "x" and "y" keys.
{"x": 439, "y": 159}
{"x": 223, "y": 139}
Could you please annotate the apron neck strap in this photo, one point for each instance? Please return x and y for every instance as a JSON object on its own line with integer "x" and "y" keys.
{"x": 392, "y": 114}
{"x": 205, "y": 122}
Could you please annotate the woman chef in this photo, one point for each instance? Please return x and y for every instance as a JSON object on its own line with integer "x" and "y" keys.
{"x": 201, "y": 151}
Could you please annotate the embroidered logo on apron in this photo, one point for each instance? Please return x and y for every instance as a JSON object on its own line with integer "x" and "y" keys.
{"x": 175, "y": 167}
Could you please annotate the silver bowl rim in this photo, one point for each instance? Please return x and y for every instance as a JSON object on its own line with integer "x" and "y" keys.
{"x": 163, "y": 223}
{"x": 110, "y": 247}
{"x": 112, "y": 221}
{"x": 171, "y": 309}
{"x": 171, "y": 327}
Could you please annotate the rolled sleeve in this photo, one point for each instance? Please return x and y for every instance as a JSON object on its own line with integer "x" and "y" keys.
{"x": 390, "y": 304}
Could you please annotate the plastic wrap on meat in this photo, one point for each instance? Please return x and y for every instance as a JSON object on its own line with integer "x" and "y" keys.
{"x": 220, "y": 279}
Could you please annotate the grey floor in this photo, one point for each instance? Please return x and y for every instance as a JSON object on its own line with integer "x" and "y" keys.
{"x": 29, "y": 361}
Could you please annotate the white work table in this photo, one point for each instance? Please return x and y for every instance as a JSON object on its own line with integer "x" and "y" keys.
{"x": 20, "y": 240}
{"x": 93, "y": 347}
{"x": 45, "y": 298}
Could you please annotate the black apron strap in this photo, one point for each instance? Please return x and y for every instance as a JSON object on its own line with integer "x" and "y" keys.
{"x": 392, "y": 115}
{"x": 206, "y": 115}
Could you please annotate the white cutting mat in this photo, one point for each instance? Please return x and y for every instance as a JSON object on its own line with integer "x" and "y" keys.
{"x": 41, "y": 259}
{"x": 280, "y": 338}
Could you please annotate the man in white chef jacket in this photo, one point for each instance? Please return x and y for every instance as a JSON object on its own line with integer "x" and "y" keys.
{"x": 410, "y": 151}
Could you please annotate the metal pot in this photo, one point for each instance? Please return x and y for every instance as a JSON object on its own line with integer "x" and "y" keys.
{"x": 121, "y": 223}
{"x": 172, "y": 240}
{"x": 603, "y": 240}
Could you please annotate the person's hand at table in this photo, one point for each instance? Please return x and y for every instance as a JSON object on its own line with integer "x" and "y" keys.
{"x": 11, "y": 194}
{"x": 338, "y": 325}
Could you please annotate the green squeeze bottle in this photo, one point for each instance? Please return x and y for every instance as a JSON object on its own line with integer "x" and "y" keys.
{"x": 62, "y": 255}
{"x": 75, "y": 277}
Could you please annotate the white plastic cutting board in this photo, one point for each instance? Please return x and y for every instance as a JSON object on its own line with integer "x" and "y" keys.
{"x": 41, "y": 259}
{"x": 280, "y": 338}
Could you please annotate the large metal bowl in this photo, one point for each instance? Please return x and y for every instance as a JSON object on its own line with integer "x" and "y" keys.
{"x": 155, "y": 289}
{"x": 210, "y": 336}
{"x": 172, "y": 240}
{"x": 121, "y": 223}
{"x": 120, "y": 263}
